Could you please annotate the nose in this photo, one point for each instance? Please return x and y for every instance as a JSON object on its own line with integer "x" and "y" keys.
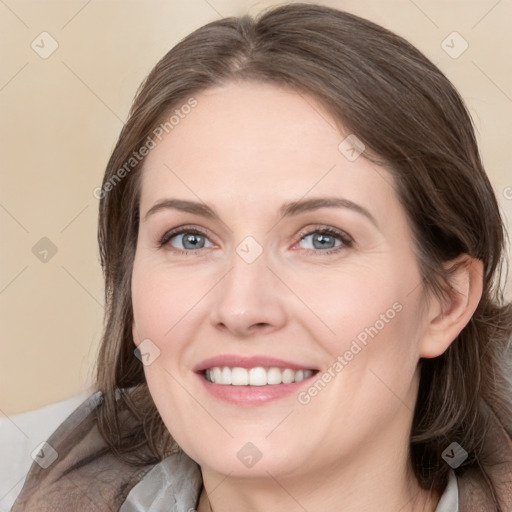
{"x": 250, "y": 299}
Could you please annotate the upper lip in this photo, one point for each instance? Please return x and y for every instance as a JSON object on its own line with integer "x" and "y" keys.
{"x": 232, "y": 361}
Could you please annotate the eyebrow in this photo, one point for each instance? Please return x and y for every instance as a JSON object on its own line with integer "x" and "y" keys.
{"x": 288, "y": 209}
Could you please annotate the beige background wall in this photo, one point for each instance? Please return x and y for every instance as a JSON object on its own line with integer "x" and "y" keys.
{"x": 61, "y": 115}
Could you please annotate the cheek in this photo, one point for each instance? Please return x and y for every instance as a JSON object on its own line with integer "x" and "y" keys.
{"x": 371, "y": 324}
{"x": 161, "y": 298}
{"x": 357, "y": 303}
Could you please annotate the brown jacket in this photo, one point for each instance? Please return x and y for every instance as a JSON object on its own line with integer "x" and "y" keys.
{"x": 86, "y": 476}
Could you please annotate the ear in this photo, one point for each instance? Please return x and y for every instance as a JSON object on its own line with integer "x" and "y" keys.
{"x": 449, "y": 315}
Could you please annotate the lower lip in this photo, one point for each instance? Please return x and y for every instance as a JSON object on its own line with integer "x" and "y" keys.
{"x": 252, "y": 395}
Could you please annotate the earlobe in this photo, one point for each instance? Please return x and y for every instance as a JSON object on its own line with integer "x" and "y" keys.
{"x": 135, "y": 334}
{"x": 450, "y": 314}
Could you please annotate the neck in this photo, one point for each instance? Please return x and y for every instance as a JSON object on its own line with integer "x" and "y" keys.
{"x": 375, "y": 486}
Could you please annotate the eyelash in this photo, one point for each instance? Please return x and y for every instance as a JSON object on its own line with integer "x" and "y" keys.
{"x": 347, "y": 240}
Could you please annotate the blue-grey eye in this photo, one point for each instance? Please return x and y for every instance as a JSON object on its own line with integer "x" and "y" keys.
{"x": 321, "y": 240}
{"x": 188, "y": 240}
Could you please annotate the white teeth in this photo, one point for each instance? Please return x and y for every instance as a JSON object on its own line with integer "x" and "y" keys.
{"x": 239, "y": 377}
{"x": 274, "y": 376}
{"x": 257, "y": 376}
{"x": 226, "y": 376}
{"x": 288, "y": 376}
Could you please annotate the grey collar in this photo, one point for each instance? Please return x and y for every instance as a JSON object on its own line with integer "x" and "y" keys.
{"x": 174, "y": 484}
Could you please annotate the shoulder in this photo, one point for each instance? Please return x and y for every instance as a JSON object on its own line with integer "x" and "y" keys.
{"x": 76, "y": 470}
{"x": 494, "y": 476}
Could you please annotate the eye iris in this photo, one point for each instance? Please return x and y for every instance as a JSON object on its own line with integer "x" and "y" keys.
{"x": 192, "y": 238}
{"x": 323, "y": 239}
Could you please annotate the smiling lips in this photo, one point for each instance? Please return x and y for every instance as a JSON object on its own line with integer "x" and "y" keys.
{"x": 255, "y": 380}
{"x": 257, "y": 376}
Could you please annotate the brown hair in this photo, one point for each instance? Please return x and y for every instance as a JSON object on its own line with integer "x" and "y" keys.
{"x": 382, "y": 89}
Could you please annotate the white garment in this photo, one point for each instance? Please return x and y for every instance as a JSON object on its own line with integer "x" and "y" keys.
{"x": 449, "y": 501}
{"x": 20, "y": 434}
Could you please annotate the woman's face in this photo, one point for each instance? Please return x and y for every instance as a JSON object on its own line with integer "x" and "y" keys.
{"x": 250, "y": 279}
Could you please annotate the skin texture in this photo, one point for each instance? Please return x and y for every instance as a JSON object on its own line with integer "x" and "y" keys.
{"x": 244, "y": 150}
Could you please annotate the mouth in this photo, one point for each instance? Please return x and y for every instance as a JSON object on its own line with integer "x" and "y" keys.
{"x": 250, "y": 381}
{"x": 256, "y": 376}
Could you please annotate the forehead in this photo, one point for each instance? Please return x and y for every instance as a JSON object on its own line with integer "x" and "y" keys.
{"x": 255, "y": 142}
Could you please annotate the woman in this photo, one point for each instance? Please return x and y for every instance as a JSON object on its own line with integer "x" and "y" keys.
{"x": 302, "y": 255}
